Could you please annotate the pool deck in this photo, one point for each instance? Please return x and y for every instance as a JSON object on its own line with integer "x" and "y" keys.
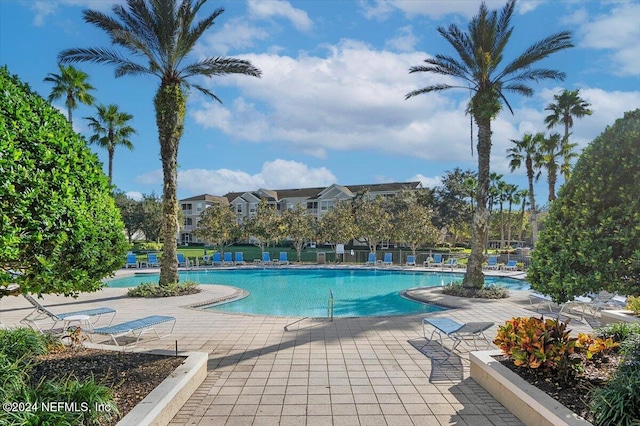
{"x": 352, "y": 371}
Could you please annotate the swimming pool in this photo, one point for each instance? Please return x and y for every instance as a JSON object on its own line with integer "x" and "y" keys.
{"x": 305, "y": 292}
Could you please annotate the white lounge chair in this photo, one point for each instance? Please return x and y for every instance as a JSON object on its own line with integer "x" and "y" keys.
{"x": 457, "y": 332}
{"x": 41, "y": 314}
{"x": 136, "y": 327}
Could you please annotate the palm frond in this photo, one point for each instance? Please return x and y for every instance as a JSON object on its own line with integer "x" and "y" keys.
{"x": 433, "y": 88}
{"x": 519, "y": 88}
{"x": 537, "y": 75}
{"x": 538, "y": 51}
{"x": 207, "y": 92}
{"x": 461, "y": 43}
{"x": 220, "y": 66}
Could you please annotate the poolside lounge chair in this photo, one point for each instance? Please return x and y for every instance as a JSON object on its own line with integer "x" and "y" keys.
{"x": 511, "y": 265}
{"x": 452, "y": 263}
{"x": 136, "y": 327}
{"x": 216, "y": 260}
{"x": 436, "y": 261}
{"x": 411, "y": 260}
{"x": 266, "y": 258}
{"x": 371, "y": 260}
{"x": 132, "y": 261}
{"x": 492, "y": 263}
{"x": 540, "y": 299}
{"x": 182, "y": 261}
{"x": 227, "y": 258}
{"x": 152, "y": 260}
{"x": 41, "y": 314}
{"x": 284, "y": 258}
{"x": 388, "y": 259}
{"x": 457, "y": 332}
{"x": 240, "y": 258}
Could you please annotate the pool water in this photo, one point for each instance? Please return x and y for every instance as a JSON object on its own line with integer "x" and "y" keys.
{"x": 305, "y": 292}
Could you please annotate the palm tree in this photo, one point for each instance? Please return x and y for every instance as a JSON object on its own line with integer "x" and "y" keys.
{"x": 480, "y": 52}
{"x": 567, "y": 105}
{"x": 72, "y": 85}
{"x": 550, "y": 152}
{"x": 162, "y": 33}
{"x": 522, "y": 195}
{"x": 525, "y": 150}
{"x": 512, "y": 197}
{"x": 110, "y": 130}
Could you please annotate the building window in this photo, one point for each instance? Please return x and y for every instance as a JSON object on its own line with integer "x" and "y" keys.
{"x": 186, "y": 207}
{"x": 326, "y": 205}
{"x": 199, "y": 207}
{"x": 188, "y": 221}
{"x": 239, "y": 208}
{"x": 252, "y": 207}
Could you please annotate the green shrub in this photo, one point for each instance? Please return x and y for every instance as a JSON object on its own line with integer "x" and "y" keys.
{"x": 487, "y": 292}
{"x": 618, "y": 331}
{"x": 12, "y": 378}
{"x": 151, "y": 290}
{"x": 618, "y": 402}
{"x": 22, "y": 343}
{"x": 633, "y": 304}
{"x": 630, "y": 347}
{"x": 590, "y": 237}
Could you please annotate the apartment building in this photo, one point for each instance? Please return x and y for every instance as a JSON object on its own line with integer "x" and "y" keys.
{"x": 317, "y": 201}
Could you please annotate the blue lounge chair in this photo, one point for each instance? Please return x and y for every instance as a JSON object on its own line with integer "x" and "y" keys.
{"x": 152, "y": 260}
{"x": 411, "y": 260}
{"x": 456, "y": 331}
{"x": 511, "y": 266}
{"x": 227, "y": 258}
{"x": 132, "y": 261}
{"x": 435, "y": 261}
{"x": 240, "y": 258}
{"x": 371, "y": 260}
{"x": 136, "y": 327}
{"x": 40, "y": 314}
{"x": 492, "y": 263}
{"x": 182, "y": 261}
{"x": 266, "y": 258}
{"x": 388, "y": 259}
{"x": 216, "y": 260}
{"x": 452, "y": 262}
{"x": 284, "y": 258}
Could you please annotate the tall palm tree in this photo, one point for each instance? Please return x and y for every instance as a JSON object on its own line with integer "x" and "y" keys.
{"x": 158, "y": 36}
{"x": 550, "y": 152}
{"x": 110, "y": 130}
{"x": 525, "y": 151}
{"x": 480, "y": 52}
{"x": 72, "y": 85}
{"x": 523, "y": 194}
{"x": 567, "y": 105}
{"x": 512, "y": 197}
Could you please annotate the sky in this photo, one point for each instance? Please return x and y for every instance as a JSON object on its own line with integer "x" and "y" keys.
{"x": 330, "y": 105}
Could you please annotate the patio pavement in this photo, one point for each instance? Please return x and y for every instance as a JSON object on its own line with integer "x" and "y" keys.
{"x": 352, "y": 371}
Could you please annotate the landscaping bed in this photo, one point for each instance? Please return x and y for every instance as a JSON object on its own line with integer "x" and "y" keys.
{"x": 129, "y": 375}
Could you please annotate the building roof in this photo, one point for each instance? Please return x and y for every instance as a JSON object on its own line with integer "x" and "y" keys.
{"x": 207, "y": 197}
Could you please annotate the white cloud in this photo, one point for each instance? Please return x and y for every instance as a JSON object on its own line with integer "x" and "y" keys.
{"x": 382, "y": 9}
{"x": 42, "y": 9}
{"x": 273, "y": 8}
{"x": 134, "y": 195}
{"x": 405, "y": 41}
{"x": 276, "y": 174}
{"x": 235, "y": 34}
{"x": 618, "y": 32}
{"x": 427, "y": 182}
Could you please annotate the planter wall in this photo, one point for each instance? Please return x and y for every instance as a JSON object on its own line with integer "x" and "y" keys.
{"x": 531, "y": 405}
{"x": 608, "y": 317}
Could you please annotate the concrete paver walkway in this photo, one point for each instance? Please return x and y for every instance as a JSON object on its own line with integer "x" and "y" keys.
{"x": 352, "y": 371}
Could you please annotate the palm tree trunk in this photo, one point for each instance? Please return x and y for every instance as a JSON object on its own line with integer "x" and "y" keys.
{"x": 565, "y": 141}
{"x": 552, "y": 183}
{"x": 509, "y": 224}
{"x": 532, "y": 204}
{"x": 501, "y": 225}
{"x": 111, "y": 152}
{"x": 479, "y": 227}
{"x": 170, "y": 105}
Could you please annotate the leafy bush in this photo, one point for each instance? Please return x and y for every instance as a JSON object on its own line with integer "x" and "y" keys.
{"x": 633, "y": 304}
{"x": 536, "y": 342}
{"x": 617, "y": 403}
{"x": 151, "y": 290}
{"x": 487, "y": 292}
{"x": 21, "y": 343}
{"x": 618, "y": 331}
{"x": 591, "y": 234}
{"x": 594, "y": 347}
{"x": 59, "y": 225}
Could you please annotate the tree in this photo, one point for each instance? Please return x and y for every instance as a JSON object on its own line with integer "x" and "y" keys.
{"x": 338, "y": 225}
{"x": 511, "y": 196}
{"x": 60, "y": 230}
{"x": 522, "y": 196}
{"x": 110, "y": 130}
{"x": 162, "y": 33}
{"x": 526, "y": 150}
{"x": 567, "y": 105}
{"x": 218, "y": 225}
{"x": 373, "y": 221}
{"x": 300, "y": 226}
{"x": 590, "y": 240}
{"x": 550, "y": 152}
{"x": 72, "y": 85}
{"x": 265, "y": 227}
{"x": 453, "y": 210}
{"x": 151, "y": 225}
{"x": 481, "y": 51}
{"x": 412, "y": 222}
{"x": 131, "y": 212}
